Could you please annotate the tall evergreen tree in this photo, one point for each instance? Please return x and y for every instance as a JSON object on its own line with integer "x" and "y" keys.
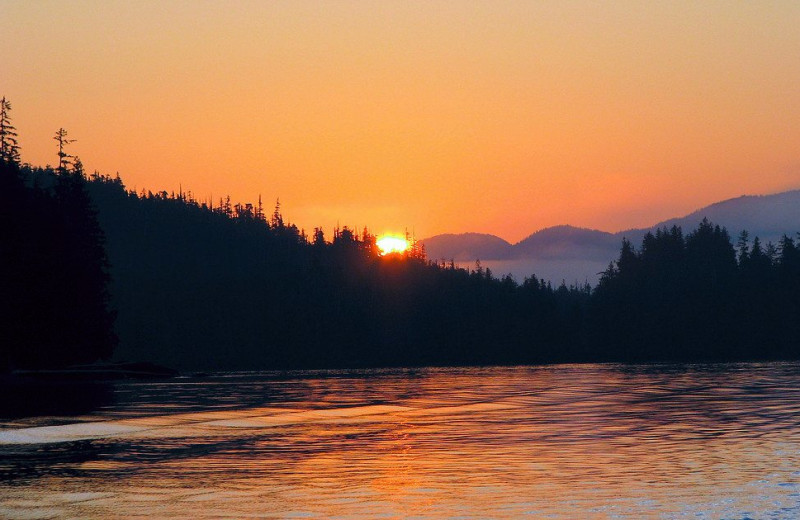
{"x": 86, "y": 261}
{"x": 9, "y": 146}
{"x": 63, "y": 157}
{"x": 742, "y": 246}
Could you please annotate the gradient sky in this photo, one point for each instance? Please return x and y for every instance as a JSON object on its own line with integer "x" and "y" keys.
{"x": 440, "y": 116}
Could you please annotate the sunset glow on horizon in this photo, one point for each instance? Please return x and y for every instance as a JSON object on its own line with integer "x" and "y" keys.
{"x": 495, "y": 117}
{"x": 388, "y": 244}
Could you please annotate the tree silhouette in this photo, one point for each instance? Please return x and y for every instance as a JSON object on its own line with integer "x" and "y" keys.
{"x": 9, "y": 146}
{"x": 742, "y": 246}
{"x": 63, "y": 156}
{"x": 54, "y": 274}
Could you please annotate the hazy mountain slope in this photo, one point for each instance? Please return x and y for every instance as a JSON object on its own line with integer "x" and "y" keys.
{"x": 765, "y": 216}
{"x": 568, "y": 253}
{"x": 558, "y": 242}
{"x": 579, "y": 254}
{"x": 565, "y": 242}
{"x": 466, "y": 247}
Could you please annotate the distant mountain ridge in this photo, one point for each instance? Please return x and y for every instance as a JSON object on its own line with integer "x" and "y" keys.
{"x": 765, "y": 216}
{"x": 467, "y": 246}
{"x": 550, "y": 249}
{"x": 561, "y": 242}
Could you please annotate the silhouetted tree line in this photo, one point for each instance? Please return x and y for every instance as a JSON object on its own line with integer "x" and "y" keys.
{"x": 696, "y": 297}
{"x": 210, "y": 286}
{"x": 229, "y": 286}
{"x": 53, "y": 269}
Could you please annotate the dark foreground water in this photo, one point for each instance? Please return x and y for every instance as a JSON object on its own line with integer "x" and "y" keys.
{"x": 581, "y": 441}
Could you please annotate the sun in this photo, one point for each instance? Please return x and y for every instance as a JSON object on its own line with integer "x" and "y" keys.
{"x": 391, "y": 244}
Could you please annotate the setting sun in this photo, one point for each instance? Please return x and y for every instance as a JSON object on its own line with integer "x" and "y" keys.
{"x": 392, "y": 244}
{"x": 496, "y": 224}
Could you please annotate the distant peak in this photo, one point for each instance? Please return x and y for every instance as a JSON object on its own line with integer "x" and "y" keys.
{"x": 482, "y": 237}
{"x": 466, "y": 246}
{"x": 563, "y": 230}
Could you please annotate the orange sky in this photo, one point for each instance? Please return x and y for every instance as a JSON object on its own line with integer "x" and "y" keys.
{"x": 445, "y": 116}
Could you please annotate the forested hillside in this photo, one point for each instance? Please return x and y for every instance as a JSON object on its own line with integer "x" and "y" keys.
{"x": 54, "y": 309}
{"x": 233, "y": 287}
{"x": 230, "y": 286}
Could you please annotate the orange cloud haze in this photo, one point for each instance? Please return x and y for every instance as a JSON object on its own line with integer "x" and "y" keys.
{"x": 450, "y": 116}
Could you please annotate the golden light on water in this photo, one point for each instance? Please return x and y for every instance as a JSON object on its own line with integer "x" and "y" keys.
{"x": 391, "y": 244}
{"x": 425, "y": 452}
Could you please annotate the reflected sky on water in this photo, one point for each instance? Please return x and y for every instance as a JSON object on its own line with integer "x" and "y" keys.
{"x": 712, "y": 441}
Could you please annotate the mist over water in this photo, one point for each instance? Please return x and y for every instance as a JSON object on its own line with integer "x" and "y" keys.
{"x": 571, "y": 272}
{"x": 570, "y": 441}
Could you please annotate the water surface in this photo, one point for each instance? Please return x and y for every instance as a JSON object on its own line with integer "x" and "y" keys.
{"x": 573, "y": 441}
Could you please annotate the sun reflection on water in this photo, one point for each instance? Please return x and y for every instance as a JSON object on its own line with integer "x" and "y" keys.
{"x": 570, "y": 441}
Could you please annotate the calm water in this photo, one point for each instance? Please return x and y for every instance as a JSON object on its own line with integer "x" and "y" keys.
{"x": 582, "y": 441}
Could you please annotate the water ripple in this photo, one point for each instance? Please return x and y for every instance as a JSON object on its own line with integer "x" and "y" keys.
{"x": 588, "y": 441}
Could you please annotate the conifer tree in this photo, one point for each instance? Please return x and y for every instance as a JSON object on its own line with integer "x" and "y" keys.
{"x": 9, "y": 146}
{"x": 276, "y": 222}
{"x": 91, "y": 322}
{"x": 63, "y": 156}
{"x": 742, "y": 247}
{"x": 319, "y": 237}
